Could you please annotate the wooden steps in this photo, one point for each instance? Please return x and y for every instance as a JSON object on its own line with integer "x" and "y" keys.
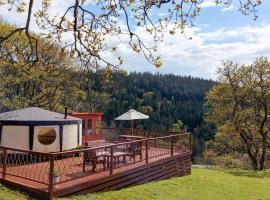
{"x": 178, "y": 165}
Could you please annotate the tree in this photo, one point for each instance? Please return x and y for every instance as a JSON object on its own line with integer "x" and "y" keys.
{"x": 96, "y": 87}
{"x": 203, "y": 133}
{"x": 242, "y": 102}
{"x": 90, "y": 26}
{"x": 45, "y": 83}
{"x": 178, "y": 126}
{"x": 165, "y": 98}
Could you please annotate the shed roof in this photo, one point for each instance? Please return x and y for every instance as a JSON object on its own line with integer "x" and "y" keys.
{"x": 35, "y": 114}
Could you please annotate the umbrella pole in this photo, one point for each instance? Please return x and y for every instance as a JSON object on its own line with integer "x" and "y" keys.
{"x": 131, "y": 127}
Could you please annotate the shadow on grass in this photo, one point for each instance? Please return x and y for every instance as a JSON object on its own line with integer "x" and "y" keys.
{"x": 252, "y": 174}
{"x": 9, "y": 190}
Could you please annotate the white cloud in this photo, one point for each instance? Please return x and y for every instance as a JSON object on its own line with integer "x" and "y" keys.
{"x": 212, "y": 3}
{"x": 208, "y": 4}
{"x": 202, "y": 55}
{"x": 197, "y": 57}
{"x": 56, "y": 9}
{"x": 229, "y": 8}
{"x": 162, "y": 14}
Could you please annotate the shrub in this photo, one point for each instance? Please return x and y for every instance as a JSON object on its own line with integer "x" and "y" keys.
{"x": 227, "y": 160}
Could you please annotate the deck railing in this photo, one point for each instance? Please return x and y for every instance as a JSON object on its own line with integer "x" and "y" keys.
{"x": 112, "y": 133}
{"x": 54, "y": 168}
{"x": 29, "y": 165}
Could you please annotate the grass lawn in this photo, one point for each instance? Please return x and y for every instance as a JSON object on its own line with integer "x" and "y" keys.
{"x": 203, "y": 184}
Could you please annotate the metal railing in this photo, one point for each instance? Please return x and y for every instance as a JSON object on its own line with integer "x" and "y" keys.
{"x": 55, "y": 168}
{"x": 108, "y": 133}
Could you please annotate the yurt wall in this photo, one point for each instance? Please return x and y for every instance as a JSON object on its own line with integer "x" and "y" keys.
{"x": 46, "y": 143}
{"x": 13, "y": 138}
{"x": 69, "y": 138}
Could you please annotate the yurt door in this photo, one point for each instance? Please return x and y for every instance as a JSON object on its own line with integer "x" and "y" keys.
{"x": 91, "y": 130}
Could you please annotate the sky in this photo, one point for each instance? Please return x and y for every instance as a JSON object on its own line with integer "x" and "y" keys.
{"x": 220, "y": 34}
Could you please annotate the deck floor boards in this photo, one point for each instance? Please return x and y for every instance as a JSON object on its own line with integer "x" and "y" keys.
{"x": 75, "y": 185}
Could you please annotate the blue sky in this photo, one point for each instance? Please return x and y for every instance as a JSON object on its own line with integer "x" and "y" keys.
{"x": 218, "y": 17}
{"x": 220, "y": 34}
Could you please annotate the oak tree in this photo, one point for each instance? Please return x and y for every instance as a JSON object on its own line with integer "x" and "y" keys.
{"x": 241, "y": 101}
{"x": 45, "y": 83}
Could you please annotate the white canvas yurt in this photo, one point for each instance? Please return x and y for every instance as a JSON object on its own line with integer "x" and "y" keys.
{"x": 39, "y": 130}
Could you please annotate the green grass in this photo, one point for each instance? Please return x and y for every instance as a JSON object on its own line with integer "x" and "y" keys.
{"x": 203, "y": 184}
{"x": 9, "y": 193}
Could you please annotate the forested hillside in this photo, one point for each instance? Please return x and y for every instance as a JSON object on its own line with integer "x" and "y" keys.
{"x": 166, "y": 98}
{"x": 53, "y": 83}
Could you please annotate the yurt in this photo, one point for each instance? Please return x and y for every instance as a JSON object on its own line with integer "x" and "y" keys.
{"x": 40, "y": 130}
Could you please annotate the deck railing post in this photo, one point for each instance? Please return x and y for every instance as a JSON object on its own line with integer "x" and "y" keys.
{"x": 172, "y": 145}
{"x": 146, "y": 150}
{"x": 4, "y": 162}
{"x": 190, "y": 143}
{"x": 101, "y": 134}
{"x": 84, "y": 159}
{"x": 51, "y": 176}
{"x": 111, "y": 161}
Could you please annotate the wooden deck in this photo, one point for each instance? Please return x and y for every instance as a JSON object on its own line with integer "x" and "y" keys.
{"x": 158, "y": 168}
{"x": 156, "y": 163}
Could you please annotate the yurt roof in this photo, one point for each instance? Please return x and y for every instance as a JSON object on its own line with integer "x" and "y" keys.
{"x": 35, "y": 114}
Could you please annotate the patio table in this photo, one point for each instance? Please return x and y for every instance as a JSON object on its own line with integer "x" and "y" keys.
{"x": 103, "y": 153}
{"x": 116, "y": 156}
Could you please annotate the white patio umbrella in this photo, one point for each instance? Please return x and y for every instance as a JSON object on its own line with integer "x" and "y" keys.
{"x": 132, "y": 115}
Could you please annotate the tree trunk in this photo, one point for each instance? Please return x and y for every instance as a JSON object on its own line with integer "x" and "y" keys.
{"x": 253, "y": 158}
{"x": 254, "y": 161}
{"x": 262, "y": 159}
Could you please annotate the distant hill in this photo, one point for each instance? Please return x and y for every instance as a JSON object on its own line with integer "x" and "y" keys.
{"x": 166, "y": 98}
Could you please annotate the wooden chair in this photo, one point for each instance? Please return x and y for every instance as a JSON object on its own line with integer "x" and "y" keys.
{"x": 135, "y": 149}
{"x": 90, "y": 156}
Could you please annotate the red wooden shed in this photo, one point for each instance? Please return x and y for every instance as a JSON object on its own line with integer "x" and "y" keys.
{"x": 92, "y": 124}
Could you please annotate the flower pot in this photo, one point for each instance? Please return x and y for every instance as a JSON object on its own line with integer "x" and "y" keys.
{"x": 56, "y": 179}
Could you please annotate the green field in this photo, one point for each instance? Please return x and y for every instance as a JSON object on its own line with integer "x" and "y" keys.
{"x": 203, "y": 184}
